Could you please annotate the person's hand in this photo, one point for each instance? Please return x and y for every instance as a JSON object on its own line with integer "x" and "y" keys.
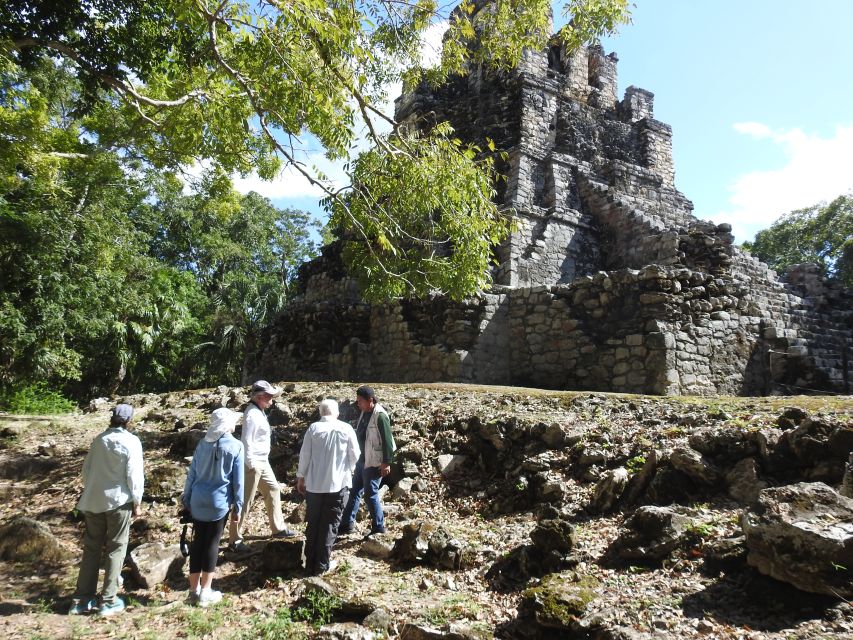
{"x": 235, "y": 515}
{"x": 384, "y": 469}
{"x": 137, "y": 510}
{"x": 300, "y": 485}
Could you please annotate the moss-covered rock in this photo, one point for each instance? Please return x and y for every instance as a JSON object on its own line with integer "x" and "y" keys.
{"x": 559, "y": 600}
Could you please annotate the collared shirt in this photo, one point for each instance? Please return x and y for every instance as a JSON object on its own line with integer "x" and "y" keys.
{"x": 256, "y": 436}
{"x": 215, "y": 479}
{"x": 328, "y": 456}
{"x": 112, "y": 472}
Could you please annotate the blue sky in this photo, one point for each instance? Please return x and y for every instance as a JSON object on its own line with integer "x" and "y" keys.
{"x": 759, "y": 94}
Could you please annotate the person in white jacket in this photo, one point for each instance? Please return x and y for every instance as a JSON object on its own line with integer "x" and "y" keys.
{"x": 113, "y": 482}
{"x": 326, "y": 461}
{"x": 259, "y": 475}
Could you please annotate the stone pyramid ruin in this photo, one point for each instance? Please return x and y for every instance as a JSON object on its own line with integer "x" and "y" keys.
{"x": 609, "y": 283}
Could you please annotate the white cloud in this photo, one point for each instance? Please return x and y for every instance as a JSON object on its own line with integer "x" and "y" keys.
{"x": 431, "y": 40}
{"x": 290, "y": 183}
{"x": 816, "y": 169}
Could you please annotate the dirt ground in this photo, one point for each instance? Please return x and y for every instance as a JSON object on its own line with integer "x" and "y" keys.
{"x": 675, "y": 600}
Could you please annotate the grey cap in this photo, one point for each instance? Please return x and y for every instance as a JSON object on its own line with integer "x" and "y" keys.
{"x": 262, "y": 386}
{"x": 122, "y": 414}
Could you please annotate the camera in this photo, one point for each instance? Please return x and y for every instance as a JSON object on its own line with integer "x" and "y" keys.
{"x": 186, "y": 519}
{"x": 185, "y": 543}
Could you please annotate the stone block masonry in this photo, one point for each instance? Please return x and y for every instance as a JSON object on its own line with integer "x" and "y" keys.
{"x": 610, "y": 283}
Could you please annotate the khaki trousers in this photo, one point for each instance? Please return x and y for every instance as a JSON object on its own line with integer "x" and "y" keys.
{"x": 106, "y": 533}
{"x": 262, "y": 479}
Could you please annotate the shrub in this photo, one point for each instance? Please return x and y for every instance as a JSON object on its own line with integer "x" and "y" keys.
{"x": 317, "y": 608}
{"x": 36, "y": 399}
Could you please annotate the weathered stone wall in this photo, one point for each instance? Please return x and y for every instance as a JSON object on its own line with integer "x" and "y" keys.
{"x": 657, "y": 330}
{"x": 609, "y": 283}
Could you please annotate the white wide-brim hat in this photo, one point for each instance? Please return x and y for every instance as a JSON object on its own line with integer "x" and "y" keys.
{"x": 221, "y": 421}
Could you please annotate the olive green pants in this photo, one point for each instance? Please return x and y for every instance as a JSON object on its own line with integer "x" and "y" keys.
{"x": 106, "y": 537}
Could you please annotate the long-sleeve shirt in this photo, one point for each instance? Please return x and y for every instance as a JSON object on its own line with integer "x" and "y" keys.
{"x": 112, "y": 472}
{"x": 256, "y": 436}
{"x": 328, "y": 456}
{"x": 215, "y": 480}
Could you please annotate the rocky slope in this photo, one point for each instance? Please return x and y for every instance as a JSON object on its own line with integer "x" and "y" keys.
{"x": 514, "y": 513}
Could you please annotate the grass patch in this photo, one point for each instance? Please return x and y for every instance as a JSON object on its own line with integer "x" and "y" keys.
{"x": 317, "y": 608}
{"x": 279, "y": 627}
{"x": 456, "y": 607}
{"x": 202, "y": 622}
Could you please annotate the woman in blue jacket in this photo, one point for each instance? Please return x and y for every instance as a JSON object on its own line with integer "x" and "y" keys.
{"x": 214, "y": 487}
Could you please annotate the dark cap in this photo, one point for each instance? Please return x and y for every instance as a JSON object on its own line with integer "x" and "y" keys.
{"x": 366, "y": 392}
{"x": 122, "y": 414}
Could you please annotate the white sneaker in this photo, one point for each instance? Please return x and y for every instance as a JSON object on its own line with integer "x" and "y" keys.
{"x": 208, "y": 597}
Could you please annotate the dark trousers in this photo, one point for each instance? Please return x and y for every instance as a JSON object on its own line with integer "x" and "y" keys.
{"x": 205, "y": 547}
{"x": 323, "y": 517}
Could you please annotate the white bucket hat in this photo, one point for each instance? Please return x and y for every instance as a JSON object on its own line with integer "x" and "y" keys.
{"x": 222, "y": 421}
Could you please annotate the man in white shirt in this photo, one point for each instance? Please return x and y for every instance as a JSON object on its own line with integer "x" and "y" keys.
{"x": 259, "y": 476}
{"x": 326, "y": 462}
{"x": 112, "y": 494}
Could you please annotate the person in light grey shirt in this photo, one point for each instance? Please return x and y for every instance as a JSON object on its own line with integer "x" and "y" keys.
{"x": 113, "y": 482}
{"x": 326, "y": 461}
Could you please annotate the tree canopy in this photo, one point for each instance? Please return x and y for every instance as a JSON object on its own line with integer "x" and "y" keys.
{"x": 111, "y": 276}
{"x": 250, "y": 86}
{"x": 822, "y": 234}
{"x": 121, "y": 270}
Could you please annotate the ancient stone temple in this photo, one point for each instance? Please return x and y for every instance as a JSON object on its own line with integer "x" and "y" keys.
{"x": 610, "y": 282}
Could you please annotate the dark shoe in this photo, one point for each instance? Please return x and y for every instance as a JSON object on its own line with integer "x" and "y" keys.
{"x": 239, "y": 547}
{"x": 285, "y": 533}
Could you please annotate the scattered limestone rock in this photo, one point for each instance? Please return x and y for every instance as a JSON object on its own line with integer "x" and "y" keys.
{"x": 23, "y": 539}
{"x": 639, "y": 483}
{"x": 554, "y": 535}
{"x": 803, "y": 534}
{"x": 558, "y": 602}
{"x": 298, "y": 514}
{"x": 164, "y": 482}
{"x": 743, "y": 482}
{"x": 608, "y": 490}
{"x": 345, "y": 631}
{"x": 692, "y": 464}
{"x": 847, "y": 481}
{"x": 378, "y": 546}
{"x": 725, "y": 445}
{"x": 423, "y": 542}
{"x": 153, "y": 562}
{"x": 379, "y": 620}
{"x": 283, "y": 557}
{"x": 26, "y": 467}
{"x": 454, "y": 631}
{"x": 650, "y": 534}
{"x": 449, "y": 464}
{"x": 402, "y": 489}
